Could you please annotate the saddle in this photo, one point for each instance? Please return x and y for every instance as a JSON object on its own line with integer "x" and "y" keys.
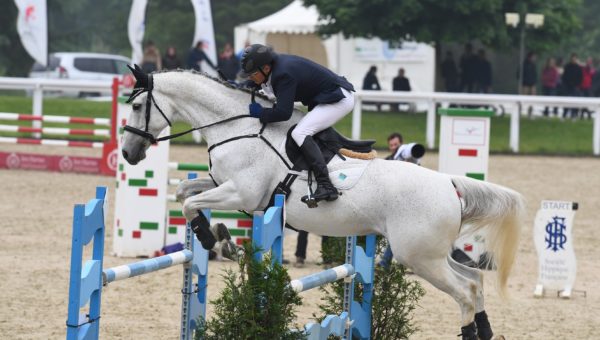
{"x": 331, "y": 143}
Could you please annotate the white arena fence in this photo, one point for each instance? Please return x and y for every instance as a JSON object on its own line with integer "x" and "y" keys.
{"x": 510, "y": 102}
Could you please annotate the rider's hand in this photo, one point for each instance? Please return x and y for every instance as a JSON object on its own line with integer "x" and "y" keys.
{"x": 255, "y": 110}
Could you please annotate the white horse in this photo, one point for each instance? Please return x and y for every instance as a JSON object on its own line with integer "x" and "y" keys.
{"x": 421, "y": 212}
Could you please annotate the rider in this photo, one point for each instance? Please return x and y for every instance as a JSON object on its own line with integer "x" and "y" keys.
{"x": 291, "y": 78}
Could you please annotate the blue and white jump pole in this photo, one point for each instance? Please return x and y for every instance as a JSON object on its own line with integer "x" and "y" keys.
{"x": 356, "y": 317}
{"x": 86, "y": 283}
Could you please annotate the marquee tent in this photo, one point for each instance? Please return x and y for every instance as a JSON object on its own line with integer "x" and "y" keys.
{"x": 293, "y": 30}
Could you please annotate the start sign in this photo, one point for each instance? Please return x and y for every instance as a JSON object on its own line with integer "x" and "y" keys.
{"x": 553, "y": 238}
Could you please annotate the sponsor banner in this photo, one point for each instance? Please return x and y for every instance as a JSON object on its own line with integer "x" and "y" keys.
{"x": 553, "y": 238}
{"x": 13, "y": 160}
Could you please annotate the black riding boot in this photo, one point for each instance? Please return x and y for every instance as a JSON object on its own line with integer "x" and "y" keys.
{"x": 325, "y": 190}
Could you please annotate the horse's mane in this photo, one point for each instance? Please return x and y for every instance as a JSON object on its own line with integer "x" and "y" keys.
{"x": 218, "y": 80}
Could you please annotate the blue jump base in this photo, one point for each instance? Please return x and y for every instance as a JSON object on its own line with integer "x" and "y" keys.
{"x": 87, "y": 280}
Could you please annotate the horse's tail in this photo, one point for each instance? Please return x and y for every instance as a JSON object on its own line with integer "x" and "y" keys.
{"x": 497, "y": 210}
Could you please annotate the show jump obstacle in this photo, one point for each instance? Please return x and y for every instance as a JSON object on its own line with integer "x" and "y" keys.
{"x": 106, "y": 165}
{"x": 86, "y": 281}
{"x": 464, "y": 151}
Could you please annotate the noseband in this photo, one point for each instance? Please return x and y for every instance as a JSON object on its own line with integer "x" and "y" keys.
{"x": 151, "y": 101}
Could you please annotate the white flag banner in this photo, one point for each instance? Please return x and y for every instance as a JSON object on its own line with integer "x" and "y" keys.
{"x": 32, "y": 25}
{"x": 205, "y": 32}
{"x": 135, "y": 29}
{"x": 553, "y": 240}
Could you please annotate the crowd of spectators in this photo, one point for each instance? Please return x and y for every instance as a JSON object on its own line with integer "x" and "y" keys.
{"x": 473, "y": 74}
{"x": 228, "y": 62}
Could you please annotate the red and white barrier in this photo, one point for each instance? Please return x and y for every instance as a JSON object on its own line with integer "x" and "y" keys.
{"x": 56, "y": 131}
{"x": 54, "y": 142}
{"x": 54, "y": 119}
{"x": 106, "y": 165}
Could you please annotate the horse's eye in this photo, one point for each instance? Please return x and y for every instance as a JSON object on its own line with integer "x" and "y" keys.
{"x": 137, "y": 106}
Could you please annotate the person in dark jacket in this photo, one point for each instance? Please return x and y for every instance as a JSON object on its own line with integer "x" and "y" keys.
{"x": 571, "y": 78}
{"x": 370, "y": 82}
{"x": 450, "y": 73}
{"x": 529, "y": 79}
{"x": 170, "y": 61}
{"x": 196, "y": 56}
{"x": 483, "y": 74}
{"x": 292, "y": 78}
{"x": 229, "y": 63}
{"x": 400, "y": 82}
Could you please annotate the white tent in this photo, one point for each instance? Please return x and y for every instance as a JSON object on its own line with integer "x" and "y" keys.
{"x": 292, "y": 30}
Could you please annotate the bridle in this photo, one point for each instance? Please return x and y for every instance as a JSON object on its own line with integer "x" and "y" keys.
{"x": 151, "y": 101}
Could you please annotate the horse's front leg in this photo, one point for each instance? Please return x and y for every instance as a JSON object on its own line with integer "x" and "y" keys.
{"x": 192, "y": 187}
{"x": 223, "y": 197}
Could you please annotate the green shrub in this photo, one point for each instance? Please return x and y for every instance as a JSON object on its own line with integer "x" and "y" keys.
{"x": 257, "y": 303}
{"x": 395, "y": 295}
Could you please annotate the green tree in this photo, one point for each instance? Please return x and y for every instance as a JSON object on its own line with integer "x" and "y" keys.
{"x": 447, "y": 21}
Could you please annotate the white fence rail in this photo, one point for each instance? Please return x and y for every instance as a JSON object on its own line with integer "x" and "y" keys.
{"x": 512, "y": 102}
{"x": 431, "y": 99}
{"x": 39, "y": 85}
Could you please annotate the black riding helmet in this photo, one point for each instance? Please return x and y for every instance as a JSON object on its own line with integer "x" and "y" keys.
{"x": 254, "y": 57}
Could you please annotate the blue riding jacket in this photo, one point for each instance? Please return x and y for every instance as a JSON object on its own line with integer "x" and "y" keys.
{"x": 294, "y": 78}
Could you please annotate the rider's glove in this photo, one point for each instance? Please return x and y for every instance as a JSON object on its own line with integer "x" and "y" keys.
{"x": 255, "y": 110}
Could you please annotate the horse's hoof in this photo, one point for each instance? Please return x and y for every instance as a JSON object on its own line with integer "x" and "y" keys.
{"x": 231, "y": 251}
{"x": 499, "y": 337}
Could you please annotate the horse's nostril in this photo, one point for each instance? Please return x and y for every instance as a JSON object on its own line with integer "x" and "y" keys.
{"x": 125, "y": 154}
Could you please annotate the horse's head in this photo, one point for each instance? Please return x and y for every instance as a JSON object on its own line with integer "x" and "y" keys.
{"x": 147, "y": 118}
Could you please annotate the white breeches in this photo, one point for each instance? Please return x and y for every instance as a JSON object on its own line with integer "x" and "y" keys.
{"x": 321, "y": 117}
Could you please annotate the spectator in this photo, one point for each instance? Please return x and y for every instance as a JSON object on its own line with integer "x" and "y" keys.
{"x": 394, "y": 140}
{"x": 171, "y": 61}
{"x": 586, "y": 84}
{"x": 449, "y": 73}
{"x": 483, "y": 73}
{"x": 400, "y": 82}
{"x": 301, "y": 246}
{"x": 229, "y": 64}
{"x": 370, "y": 82}
{"x": 571, "y": 79}
{"x": 529, "y": 78}
{"x": 467, "y": 69}
{"x": 550, "y": 79}
{"x": 196, "y": 56}
{"x": 151, "y": 60}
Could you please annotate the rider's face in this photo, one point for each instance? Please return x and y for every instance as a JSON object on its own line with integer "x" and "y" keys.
{"x": 258, "y": 77}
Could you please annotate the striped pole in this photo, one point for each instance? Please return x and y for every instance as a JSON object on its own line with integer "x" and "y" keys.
{"x": 55, "y": 131}
{"x": 321, "y": 278}
{"x": 54, "y": 119}
{"x": 55, "y": 142}
{"x": 146, "y": 266}
{"x": 188, "y": 166}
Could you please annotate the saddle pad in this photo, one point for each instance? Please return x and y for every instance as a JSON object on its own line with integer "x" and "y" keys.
{"x": 344, "y": 174}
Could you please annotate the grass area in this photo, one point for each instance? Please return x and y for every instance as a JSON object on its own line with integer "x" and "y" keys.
{"x": 544, "y": 136}
{"x": 548, "y": 136}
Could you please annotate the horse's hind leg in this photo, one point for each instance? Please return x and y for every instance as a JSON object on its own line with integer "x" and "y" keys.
{"x": 484, "y": 329}
{"x": 464, "y": 290}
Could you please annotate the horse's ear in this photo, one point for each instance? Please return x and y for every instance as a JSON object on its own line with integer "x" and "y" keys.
{"x": 141, "y": 81}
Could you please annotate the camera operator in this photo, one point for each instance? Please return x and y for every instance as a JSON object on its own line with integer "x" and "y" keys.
{"x": 401, "y": 152}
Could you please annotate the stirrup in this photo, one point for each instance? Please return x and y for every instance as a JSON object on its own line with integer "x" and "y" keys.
{"x": 310, "y": 201}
